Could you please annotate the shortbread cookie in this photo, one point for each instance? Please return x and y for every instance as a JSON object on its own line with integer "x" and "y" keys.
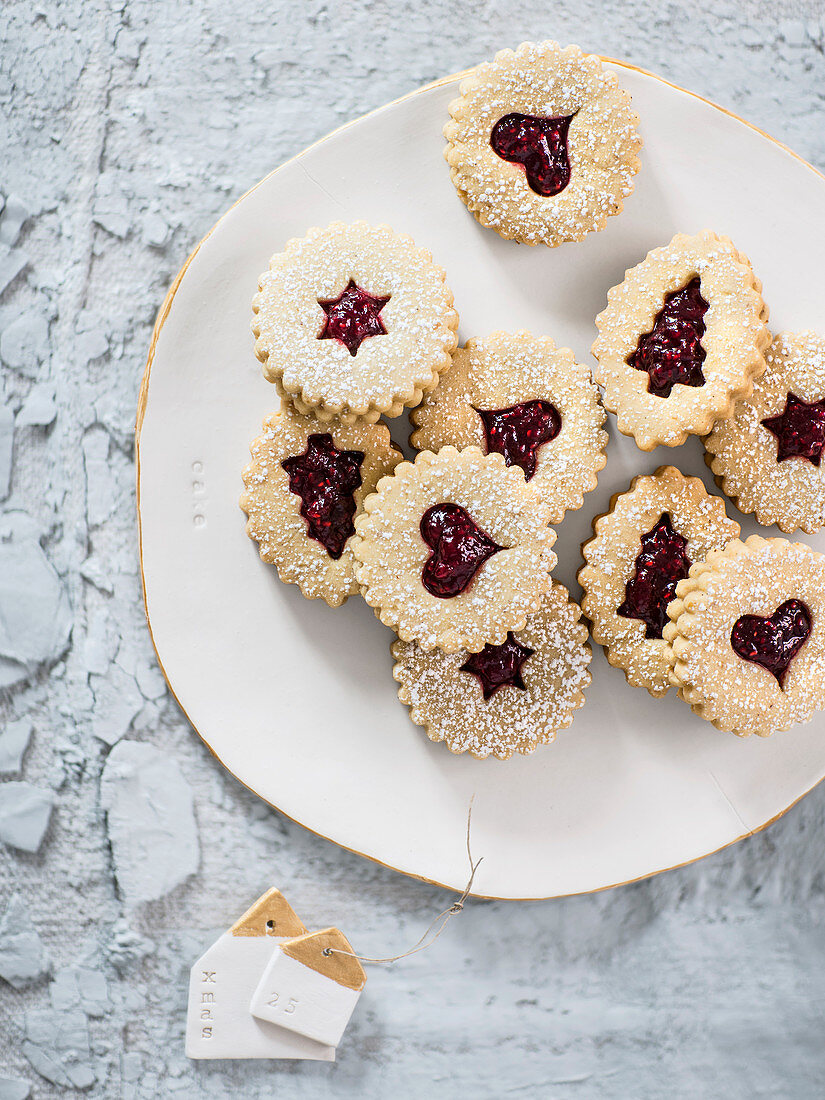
{"x": 642, "y": 547}
{"x": 508, "y": 698}
{"x": 747, "y": 636}
{"x": 768, "y": 455}
{"x": 543, "y": 144}
{"x": 454, "y": 550}
{"x": 304, "y": 488}
{"x": 354, "y": 321}
{"x": 522, "y": 396}
{"x": 682, "y": 339}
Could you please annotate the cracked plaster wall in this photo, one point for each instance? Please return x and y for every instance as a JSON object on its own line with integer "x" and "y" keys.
{"x": 128, "y": 127}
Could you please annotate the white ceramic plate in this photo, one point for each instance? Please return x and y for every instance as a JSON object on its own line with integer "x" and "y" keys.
{"x": 297, "y": 700}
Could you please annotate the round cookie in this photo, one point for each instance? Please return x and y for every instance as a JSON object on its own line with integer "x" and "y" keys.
{"x": 353, "y": 322}
{"x": 508, "y": 698}
{"x": 520, "y": 395}
{"x": 747, "y": 636}
{"x": 453, "y": 550}
{"x": 542, "y": 144}
{"x": 767, "y": 456}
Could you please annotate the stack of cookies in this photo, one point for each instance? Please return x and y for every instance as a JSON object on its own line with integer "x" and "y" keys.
{"x": 454, "y": 551}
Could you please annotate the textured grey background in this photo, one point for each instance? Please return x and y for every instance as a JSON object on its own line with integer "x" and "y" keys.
{"x": 128, "y": 127}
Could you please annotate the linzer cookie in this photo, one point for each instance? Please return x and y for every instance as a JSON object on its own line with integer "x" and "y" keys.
{"x": 508, "y": 698}
{"x": 747, "y": 636}
{"x": 542, "y": 144}
{"x": 643, "y": 546}
{"x": 303, "y": 489}
{"x": 530, "y": 401}
{"x": 768, "y": 455}
{"x": 453, "y": 550}
{"x": 353, "y": 322}
{"x": 682, "y": 339}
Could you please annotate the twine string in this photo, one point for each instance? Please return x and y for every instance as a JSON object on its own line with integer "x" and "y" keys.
{"x": 438, "y": 924}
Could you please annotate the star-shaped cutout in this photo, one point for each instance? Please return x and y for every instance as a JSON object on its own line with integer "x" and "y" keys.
{"x": 325, "y": 479}
{"x": 799, "y": 430}
{"x": 352, "y": 317}
{"x": 498, "y": 666}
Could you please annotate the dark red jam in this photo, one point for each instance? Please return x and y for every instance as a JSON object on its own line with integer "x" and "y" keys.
{"x": 660, "y": 566}
{"x": 498, "y": 666}
{"x": 325, "y": 479}
{"x": 773, "y": 641}
{"x": 672, "y": 351}
{"x": 459, "y": 549}
{"x": 799, "y": 430}
{"x": 352, "y": 317}
{"x": 540, "y": 145}
{"x": 518, "y": 431}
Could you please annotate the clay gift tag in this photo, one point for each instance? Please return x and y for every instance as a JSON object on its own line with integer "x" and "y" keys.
{"x": 307, "y": 991}
{"x": 218, "y": 1023}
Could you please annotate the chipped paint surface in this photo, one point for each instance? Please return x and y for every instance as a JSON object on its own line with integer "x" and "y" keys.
{"x": 132, "y": 127}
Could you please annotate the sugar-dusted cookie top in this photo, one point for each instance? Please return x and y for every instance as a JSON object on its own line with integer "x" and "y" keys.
{"x": 542, "y": 143}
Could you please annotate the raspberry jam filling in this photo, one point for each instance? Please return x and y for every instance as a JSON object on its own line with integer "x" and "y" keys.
{"x": 498, "y": 666}
{"x": 799, "y": 430}
{"x": 325, "y": 479}
{"x": 672, "y": 351}
{"x": 352, "y": 317}
{"x": 660, "y": 566}
{"x": 459, "y": 549}
{"x": 773, "y": 641}
{"x": 517, "y": 432}
{"x": 539, "y": 145}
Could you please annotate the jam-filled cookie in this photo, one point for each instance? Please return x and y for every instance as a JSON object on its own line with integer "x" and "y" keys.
{"x": 508, "y": 698}
{"x": 542, "y": 143}
{"x": 682, "y": 339}
{"x": 353, "y": 322}
{"x": 768, "y": 456}
{"x": 453, "y": 551}
{"x": 747, "y": 636}
{"x": 642, "y": 547}
{"x": 530, "y": 401}
{"x": 303, "y": 489}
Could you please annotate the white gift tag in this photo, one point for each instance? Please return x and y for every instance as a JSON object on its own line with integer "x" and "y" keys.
{"x": 218, "y": 1023}
{"x": 308, "y": 992}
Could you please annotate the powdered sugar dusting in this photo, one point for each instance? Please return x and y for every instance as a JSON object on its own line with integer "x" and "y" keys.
{"x": 789, "y": 493}
{"x": 450, "y": 703}
{"x": 506, "y": 369}
{"x": 610, "y": 559}
{"x": 545, "y": 80}
{"x": 391, "y": 552}
{"x": 748, "y": 578}
{"x": 275, "y": 521}
{"x": 388, "y": 371}
{"x": 735, "y": 339}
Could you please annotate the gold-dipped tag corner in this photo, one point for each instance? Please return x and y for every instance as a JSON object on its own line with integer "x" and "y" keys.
{"x": 309, "y": 949}
{"x": 270, "y": 915}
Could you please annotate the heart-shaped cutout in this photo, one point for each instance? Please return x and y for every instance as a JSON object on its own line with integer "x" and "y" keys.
{"x": 539, "y": 145}
{"x": 773, "y": 641}
{"x": 518, "y": 431}
{"x": 459, "y": 549}
{"x": 672, "y": 351}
